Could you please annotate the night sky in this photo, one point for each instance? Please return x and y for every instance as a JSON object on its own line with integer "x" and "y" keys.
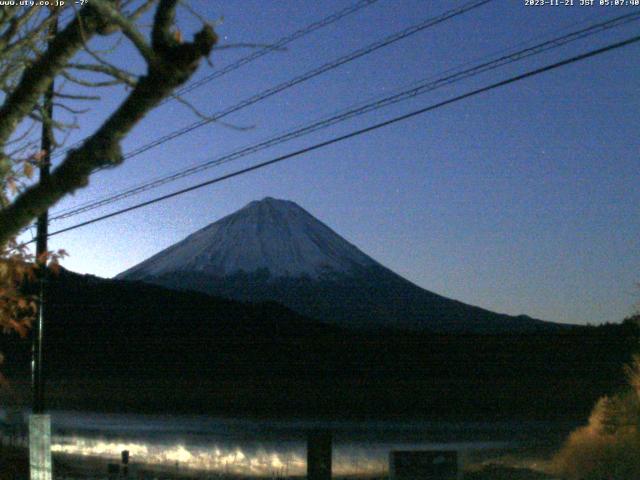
{"x": 520, "y": 200}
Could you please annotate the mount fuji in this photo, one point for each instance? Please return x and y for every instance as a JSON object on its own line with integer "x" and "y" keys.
{"x": 274, "y": 250}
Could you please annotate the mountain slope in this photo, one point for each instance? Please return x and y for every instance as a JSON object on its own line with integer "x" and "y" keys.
{"x": 275, "y": 250}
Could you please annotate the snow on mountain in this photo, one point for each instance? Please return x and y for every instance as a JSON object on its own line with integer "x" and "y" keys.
{"x": 273, "y": 250}
{"x": 276, "y": 235}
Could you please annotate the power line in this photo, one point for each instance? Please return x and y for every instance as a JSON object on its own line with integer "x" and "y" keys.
{"x": 415, "y": 90}
{"x": 362, "y": 131}
{"x": 100, "y": 201}
{"x": 276, "y": 46}
{"x": 352, "y": 112}
{"x": 279, "y": 44}
{"x": 308, "y": 75}
{"x": 430, "y": 22}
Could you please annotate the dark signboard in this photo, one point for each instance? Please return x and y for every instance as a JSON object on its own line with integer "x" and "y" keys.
{"x": 423, "y": 465}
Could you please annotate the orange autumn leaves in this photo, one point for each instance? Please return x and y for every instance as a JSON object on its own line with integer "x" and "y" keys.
{"x": 19, "y": 267}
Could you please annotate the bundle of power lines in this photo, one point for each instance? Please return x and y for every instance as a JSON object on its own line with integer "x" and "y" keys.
{"x": 449, "y": 77}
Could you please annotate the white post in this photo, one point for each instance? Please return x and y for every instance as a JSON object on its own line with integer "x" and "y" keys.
{"x": 40, "y": 464}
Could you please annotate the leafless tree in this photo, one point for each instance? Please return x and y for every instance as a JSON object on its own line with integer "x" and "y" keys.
{"x": 32, "y": 55}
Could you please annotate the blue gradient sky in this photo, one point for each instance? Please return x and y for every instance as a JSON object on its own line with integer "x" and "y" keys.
{"x": 521, "y": 200}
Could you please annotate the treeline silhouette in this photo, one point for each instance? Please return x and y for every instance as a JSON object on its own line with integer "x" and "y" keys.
{"x": 122, "y": 346}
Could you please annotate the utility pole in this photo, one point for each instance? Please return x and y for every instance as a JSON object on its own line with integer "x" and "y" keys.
{"x": 40, "y": 464}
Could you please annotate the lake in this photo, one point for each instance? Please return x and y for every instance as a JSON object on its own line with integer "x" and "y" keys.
{"x": 275, "y": 447}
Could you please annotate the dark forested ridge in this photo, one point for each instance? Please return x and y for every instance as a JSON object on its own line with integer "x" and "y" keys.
{"x": 364, "y": 299}
{"x": 124, "y": 346}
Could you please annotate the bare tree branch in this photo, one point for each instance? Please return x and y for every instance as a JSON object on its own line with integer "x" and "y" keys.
{"x": 110, "y": 70}
{"x": 128, "y": 28}
{"x": 38, "y": 76}
{"x": 173, "y": 63}
{"x": 70, "y": 96}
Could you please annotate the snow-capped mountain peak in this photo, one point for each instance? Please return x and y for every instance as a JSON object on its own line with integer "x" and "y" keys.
{"x": 311, "y": 270}
{"x": 268, "y": 234}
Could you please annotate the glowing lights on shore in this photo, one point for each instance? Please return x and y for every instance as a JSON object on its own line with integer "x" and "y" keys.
{"x": 215, "y": 458}
{"x": 284, "y": 460}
